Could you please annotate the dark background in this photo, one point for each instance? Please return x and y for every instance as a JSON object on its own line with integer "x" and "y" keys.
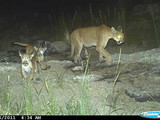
{"x": 10, "y": 7}
{"x": 30, "y": 20}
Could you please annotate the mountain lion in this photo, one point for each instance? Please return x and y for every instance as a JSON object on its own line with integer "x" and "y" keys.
{"x": 94, "y": 36}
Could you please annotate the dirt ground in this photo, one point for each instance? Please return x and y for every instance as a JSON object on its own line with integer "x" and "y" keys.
{"x": 136, "y": 87}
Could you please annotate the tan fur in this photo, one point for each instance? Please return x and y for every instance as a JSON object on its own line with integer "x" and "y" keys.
{"x": 28, "y": 65}
{"x": 94, "y": 36}
{"x": 29, "y": 47}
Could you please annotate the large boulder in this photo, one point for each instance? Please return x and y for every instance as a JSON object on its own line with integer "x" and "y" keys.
{"x": 55, "y": 47}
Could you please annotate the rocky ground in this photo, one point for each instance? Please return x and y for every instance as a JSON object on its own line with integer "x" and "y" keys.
{"x": 137, "y": 86}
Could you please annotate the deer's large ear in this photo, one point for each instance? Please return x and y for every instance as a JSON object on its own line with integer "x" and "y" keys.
{"x": 20, "y": 53}
{"x": 113, "y": 30}
{"x": 120, "y": 28}
{"x": 45, "y": 48}
{"x": 32, "y": 55}
{"x": 45, "y": 42}
{"x": 35, "y": 48}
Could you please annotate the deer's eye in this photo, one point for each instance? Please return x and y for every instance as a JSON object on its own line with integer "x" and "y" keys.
{"x": 119, "y": 36}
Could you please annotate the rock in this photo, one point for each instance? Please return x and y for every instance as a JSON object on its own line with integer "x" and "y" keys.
{"x": 90, "y": 77}
{"x": 10, "y": 56}
{"x": 5, "y": 67}
{"x": 144, "y": 94}
{"x": 59, "y": 47}
{"x": 77, "y": 68}
{"x": 150, "y": 57}
{"x": 65, "y": 62}
{"x": 55, "y": 47}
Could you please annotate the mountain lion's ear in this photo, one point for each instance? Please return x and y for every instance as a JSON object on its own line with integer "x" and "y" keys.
{"x": 113, "y": 30}
{"x": 120, "y": 28}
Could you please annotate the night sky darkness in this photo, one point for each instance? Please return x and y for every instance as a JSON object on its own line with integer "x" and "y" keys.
{"x": 17, "y": 11}
{"x": 11, "y": 7}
